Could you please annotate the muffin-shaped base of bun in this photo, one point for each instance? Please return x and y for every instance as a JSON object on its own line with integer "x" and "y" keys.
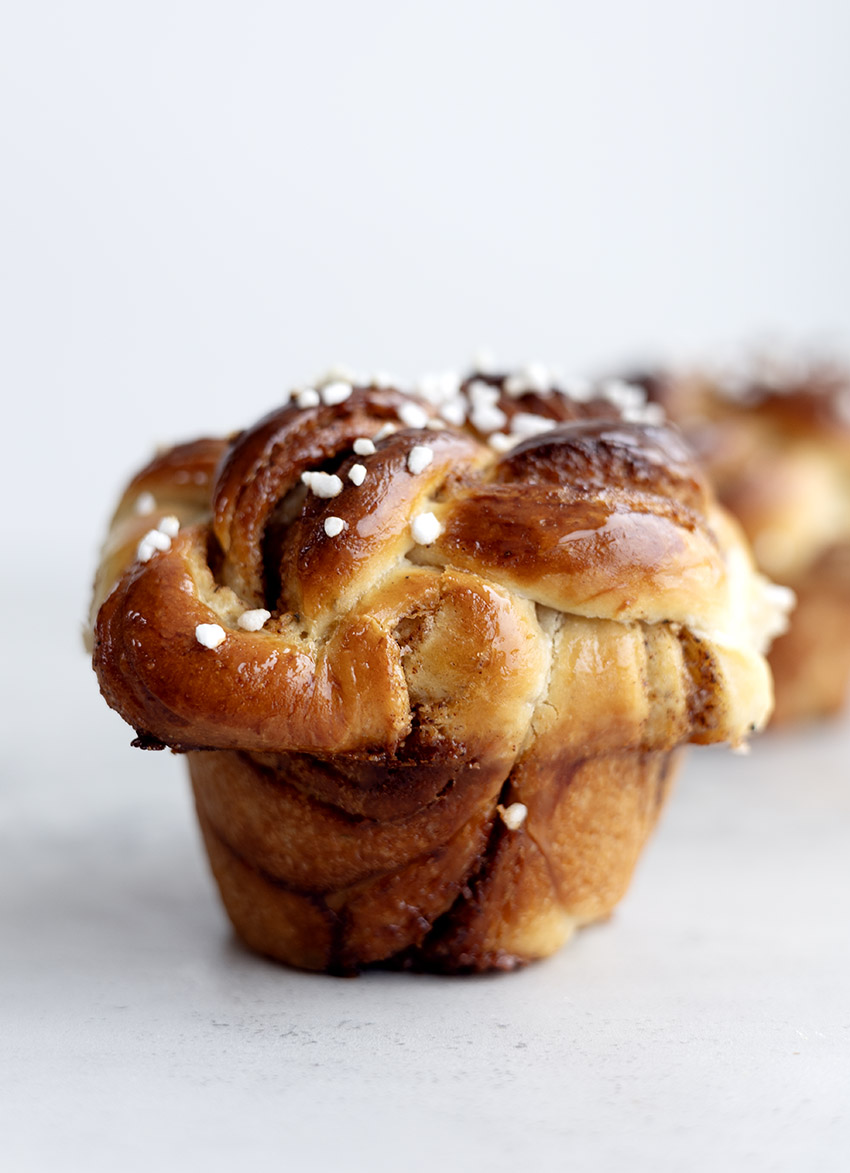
{"x": 444, "y": 885}
{"x": 811, "y": 661}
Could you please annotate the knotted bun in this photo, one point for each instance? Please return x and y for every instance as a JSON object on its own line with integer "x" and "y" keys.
{"x": 452, "y": 601}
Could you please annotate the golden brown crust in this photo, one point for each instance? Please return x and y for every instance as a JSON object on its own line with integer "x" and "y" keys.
{"x": 577, "y": 610}
{"x": 449, "y": 887}
{"x": 176, "y": 482}
{"x": 321, "y": 576}
{"x": 264, "y": 464}
{"x": 626, "y": 537}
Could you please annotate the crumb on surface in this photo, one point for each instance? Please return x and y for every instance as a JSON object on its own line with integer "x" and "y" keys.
{"x": 145, "y": 503}
{"x": 425, "y": 529}
{"x": 339, "y": 372}
{"x": 419, "y": 457}
{"x": 533, "y": 377}
{"x": 526, "y": 423}
{"x": 437, "y": 388}
{"x": 334, "y": 526}
{"x": 334, "y": 393}
{"x": 255, "y": 619}
{"x": 210, "y": 635}
{"x": 384, "y": 430}
{"x": 412, "y": 415}
{"x": 513, "y": 816}
{"x": 153, "y": 540}
{"x": 323, "y": 484}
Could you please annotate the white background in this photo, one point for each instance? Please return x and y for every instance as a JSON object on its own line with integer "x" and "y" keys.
{"x": 203, "y": 203}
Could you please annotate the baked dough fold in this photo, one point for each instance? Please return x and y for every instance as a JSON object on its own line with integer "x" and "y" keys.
{"x": 432, "y": 686}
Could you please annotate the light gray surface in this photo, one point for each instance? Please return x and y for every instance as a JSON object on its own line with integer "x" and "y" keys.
{"x": 708, "y": 1022}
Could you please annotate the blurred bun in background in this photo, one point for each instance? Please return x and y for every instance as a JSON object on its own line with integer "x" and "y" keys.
{"x": 772, "y": 429}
